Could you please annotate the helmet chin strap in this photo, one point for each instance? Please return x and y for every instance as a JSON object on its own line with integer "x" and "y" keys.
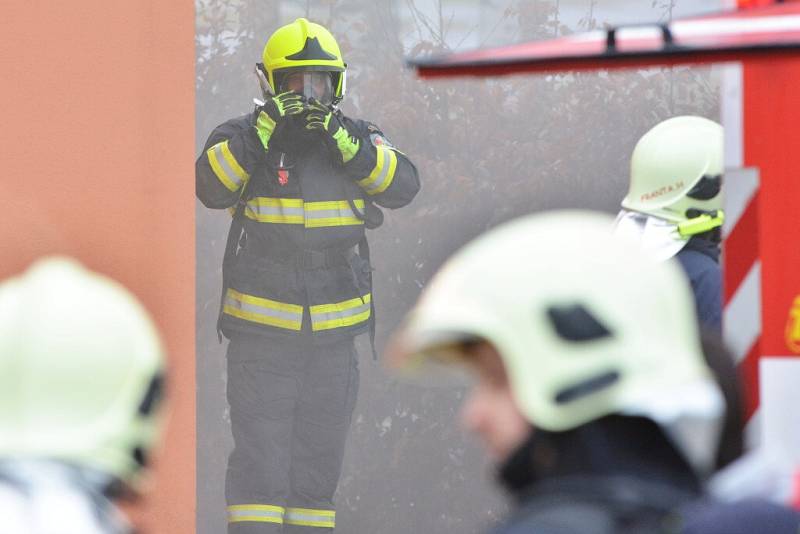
{"x": 337, "y": 99}
{"x": 700, "y": 221}
{"x": 262, "y": 81}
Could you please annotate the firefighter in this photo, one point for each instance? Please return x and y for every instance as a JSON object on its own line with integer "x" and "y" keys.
{"x": 591, "y": 390}
{"x": 674, "y": 204}
{"x": 81, "y": 377}
{"x": 305, "y": 182}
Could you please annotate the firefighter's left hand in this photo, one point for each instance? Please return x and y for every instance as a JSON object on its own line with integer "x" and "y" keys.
{"x": 322, "y": 119}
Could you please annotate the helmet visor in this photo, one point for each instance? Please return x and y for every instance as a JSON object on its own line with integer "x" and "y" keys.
{"x": 310, "y": 84}
{"x": 435, "y": 359}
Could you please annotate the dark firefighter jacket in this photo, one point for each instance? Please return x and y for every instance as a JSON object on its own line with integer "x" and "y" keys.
{"x": 700, "y": 261}
{"x": 620, "y": 475}
{"x": 614, "y": 475}
{"x": 298, "y": 270}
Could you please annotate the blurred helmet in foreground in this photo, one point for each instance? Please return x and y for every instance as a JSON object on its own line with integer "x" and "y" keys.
{"x": 586, "y": 324}
{"x": 81, "y": 370}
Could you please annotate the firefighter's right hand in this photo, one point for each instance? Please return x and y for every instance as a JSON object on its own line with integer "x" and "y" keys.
{"x": 274, "y": 111}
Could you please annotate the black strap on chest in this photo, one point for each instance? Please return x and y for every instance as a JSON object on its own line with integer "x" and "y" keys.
{"x": 363, "y": 251}
{"x": 372, "y": 216}
{"x": 231, "y": 250}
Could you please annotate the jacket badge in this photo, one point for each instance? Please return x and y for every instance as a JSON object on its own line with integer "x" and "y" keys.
{"x": 283, "y": 171}
{"x": 378, "y": 139}
{"x": 283, "y": 176}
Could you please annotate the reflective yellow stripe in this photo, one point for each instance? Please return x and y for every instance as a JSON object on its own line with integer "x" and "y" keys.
{"x": 310, "y": 214}
{"x": 228, "y": 155}
{"x": 290, "y": 316}
{"x": 275, "y": 210}
{"x": 332, "y": 213}
{"x": 376, "y": 171}
{"x": 225, "y": 166}
{"x": 382, "y": 175}
{"x": 309, "y": 517}
{"x": 390, "y": 174}
{"x": 263, "y": 311}
{"x": 340, "y": 314}
{"x": 259, "y": 513}
{"x": 265, "y": 125}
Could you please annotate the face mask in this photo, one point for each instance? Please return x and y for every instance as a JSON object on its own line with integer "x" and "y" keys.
{"x": 310, "y": 84}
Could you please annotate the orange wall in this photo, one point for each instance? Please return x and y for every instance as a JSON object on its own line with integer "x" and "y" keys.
{"x": 97, "y": 131}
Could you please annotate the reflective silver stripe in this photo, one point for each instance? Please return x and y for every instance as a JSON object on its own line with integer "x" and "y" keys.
{"x": 340, "y": 314}
{"x": 261, "y": 310}
{"x": 223, "y": 163}
{"x": 324, "y": 214}
{"x": 256, "y": 513}
{"x": 280, "y": 210}
{"x": 332, "y": 213}
{"x": 286, "y": 211}
{"x": 295, "y": 211}
{"x": 335, "y": 315}
{"x": 275, "y": 316}
{"x": 310, "y": 518}
{"x": 384, "y": 171}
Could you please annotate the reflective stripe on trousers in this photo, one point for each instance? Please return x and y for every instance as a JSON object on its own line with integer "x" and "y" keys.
{"x": 291, "y": 403}
{"x": 268, "y": 513}
{"x": 258, "y": 513}
{"x": 309, "y": 517}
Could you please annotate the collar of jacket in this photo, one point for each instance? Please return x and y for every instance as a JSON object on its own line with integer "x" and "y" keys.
{"x": 703, "y": 245}
{"x": 612, "y": 446}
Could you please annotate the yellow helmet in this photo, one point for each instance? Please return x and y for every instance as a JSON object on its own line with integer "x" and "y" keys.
{"x": 304, "y": 45}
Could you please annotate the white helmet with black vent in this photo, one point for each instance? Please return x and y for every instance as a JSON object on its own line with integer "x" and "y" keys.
{"x": 587, "y": 325}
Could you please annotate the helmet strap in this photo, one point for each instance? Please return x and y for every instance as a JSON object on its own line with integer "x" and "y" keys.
{"x": 263, "y": 83}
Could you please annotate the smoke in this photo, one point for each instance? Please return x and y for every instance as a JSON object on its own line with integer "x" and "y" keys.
{"x": 486, "y": 151}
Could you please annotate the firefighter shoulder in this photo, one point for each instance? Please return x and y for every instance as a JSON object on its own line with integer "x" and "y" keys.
{"x": 674, "y": 203}
{"x": 311, "y": 183}
{"x": 603, "y": 359}
{"x": 81, "y": 373}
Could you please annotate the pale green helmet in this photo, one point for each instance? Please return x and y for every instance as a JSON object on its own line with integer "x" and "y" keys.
{"x": 676, "y": 173}
{"x": 587, "y": 325}
{"x": 81, "y": 370}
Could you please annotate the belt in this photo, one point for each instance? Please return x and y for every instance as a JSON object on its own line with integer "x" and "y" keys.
{"x": 309, "y": 260}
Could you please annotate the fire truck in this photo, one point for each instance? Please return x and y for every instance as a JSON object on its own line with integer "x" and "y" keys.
{"x": 758, "y": 43}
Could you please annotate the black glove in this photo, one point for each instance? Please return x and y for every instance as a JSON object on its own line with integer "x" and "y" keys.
{"x": 273, "y": 113}
{"x": 323, "y": 120}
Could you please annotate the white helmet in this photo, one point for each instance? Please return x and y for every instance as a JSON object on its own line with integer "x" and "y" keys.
{"x": 587, "y": 325}
{"x": 676, "y": 174}
{"x": 81, "y": 370}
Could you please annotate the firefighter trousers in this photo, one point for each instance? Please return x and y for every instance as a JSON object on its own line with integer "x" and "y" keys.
{"x": 290, "y": 407}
